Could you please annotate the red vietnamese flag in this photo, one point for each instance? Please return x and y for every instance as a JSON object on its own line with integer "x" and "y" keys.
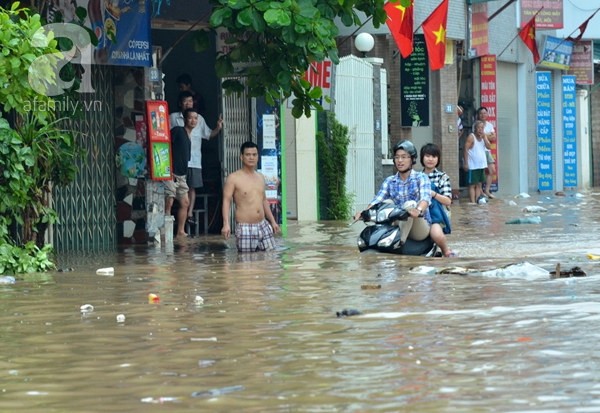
{"x": 582, "y": 28}
{"x": 434, "y": 29}
{"x": 401, "y": 24}
{"x": 527, "y": 34}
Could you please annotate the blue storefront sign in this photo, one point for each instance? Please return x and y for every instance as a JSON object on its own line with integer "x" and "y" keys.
{"x": 556, "y": 53}
{"x": 544, "y": 130}
{"x": 569, "y": 130}
{"x": 121, "y": 26}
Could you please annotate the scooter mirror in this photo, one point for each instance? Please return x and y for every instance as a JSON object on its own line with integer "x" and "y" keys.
{"x": 366, "y": 215}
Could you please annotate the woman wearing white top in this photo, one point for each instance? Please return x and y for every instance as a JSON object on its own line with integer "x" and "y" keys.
{"x": 490, "y": 133}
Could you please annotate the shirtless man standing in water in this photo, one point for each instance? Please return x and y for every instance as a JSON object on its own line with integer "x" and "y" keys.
{"x": 247, "y": 187}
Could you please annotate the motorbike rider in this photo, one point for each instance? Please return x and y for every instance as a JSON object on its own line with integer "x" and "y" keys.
{"x": 407, "y": 185}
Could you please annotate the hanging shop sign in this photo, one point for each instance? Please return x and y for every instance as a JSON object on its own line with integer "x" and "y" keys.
{"x": 556, "y": 53}
{"x": 549, "y": 17}
{"x": 544, "y": 130}
{"x": 414, "y": 85}
{"x": 479, "y": 34}
{"x": 121, "y": 27}
{"x": 569, "y": 130}
{"x": 582, "y": 62}
{"x": 159, "y": 137}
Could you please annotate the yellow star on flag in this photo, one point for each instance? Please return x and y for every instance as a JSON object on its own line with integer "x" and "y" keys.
{"x": 532, "y": 33}
{"x": 440, "y": 35}
{"x": 402, "y": 9}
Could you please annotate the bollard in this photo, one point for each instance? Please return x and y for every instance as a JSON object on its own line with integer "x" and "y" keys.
{"x": 169, "y": 220}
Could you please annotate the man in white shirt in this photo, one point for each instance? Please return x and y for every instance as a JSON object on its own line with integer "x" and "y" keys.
{"x": 201, "y": 131}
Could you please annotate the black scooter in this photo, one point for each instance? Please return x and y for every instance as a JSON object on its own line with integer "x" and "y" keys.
{"x": 384, "y": 236}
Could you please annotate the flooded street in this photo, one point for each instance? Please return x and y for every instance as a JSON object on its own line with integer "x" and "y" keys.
{"x": 268, "y": 337}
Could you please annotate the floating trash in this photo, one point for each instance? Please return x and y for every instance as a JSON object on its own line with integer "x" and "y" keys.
{"x": 594, "y": 257}
{"x": 203, "y": 339}
{"x": 153, "y": 299}
{"x": 86, "y": 308}
{"x": 160, "y": 400}
{"x": 348, "y": 312}
{"x": 7, "y": 279}
{"x": 106, "y": 271}
{"x": 199, "y": 300}
{"x": 217, "y": 392}
{"x": 370, "y": 287}
{"x": 534, "y": 208}
{"x": 523, "y": 195}
{"x": 573, "y": 272}
{"x": 121, "y": 318}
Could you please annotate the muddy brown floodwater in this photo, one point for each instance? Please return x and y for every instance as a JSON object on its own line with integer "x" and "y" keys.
{"x": 267, "y": 338}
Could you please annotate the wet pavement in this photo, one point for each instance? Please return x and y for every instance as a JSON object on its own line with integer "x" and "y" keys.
{"x": 267, "y": 339}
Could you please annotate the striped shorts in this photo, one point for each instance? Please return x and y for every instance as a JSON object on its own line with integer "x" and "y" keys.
{"x": 254, "y": 237}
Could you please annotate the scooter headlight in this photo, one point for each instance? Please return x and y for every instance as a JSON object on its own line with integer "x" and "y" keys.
{"x": 387, "y": 241}
{"x": 361, "y": 242}
{"x": 383, "y": 214}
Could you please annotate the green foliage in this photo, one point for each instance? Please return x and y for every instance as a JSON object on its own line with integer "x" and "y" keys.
{"x": 333, "y": 159}
{"x": 28, "y": 259}
{"x": 37, "y": 153}
{"x": 34, "y": 157}
{"x": 20, "y": 32}
{"x": 281, "y": 39}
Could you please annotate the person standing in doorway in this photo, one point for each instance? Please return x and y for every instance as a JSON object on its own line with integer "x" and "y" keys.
{"x": 177, "y": 187}
{"x": 475, "y": 160}
{"x": 490, "y": 134}
{"x": 201, "y": 131}
{"x": 184, "y": 83}
{"x": 247, "y": 187}
{"x": 461, "y": 129}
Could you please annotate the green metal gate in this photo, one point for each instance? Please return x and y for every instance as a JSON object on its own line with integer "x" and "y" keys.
{"x": 86, "y": 208}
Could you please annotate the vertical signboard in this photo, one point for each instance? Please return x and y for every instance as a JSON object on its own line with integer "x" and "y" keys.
{"x": 479, "y": 30}
{"x": 569, "y": 130}
{"x": 582, "y": 64}
{"x": 159, "y": 136}
{"x": 550, "y": 14}
{"x": 268, "y": 127}
{"x": 544, "y": 130}
{"x": 487, "y": 76}
{"x": 414, "y": 85}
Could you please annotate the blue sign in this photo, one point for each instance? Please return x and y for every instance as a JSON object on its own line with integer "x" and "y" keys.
{"x": 122, "y": 28}
{"x": 569, "y": 130}
{"x": 544, "y": 130}
{"x": 556, "y": 53}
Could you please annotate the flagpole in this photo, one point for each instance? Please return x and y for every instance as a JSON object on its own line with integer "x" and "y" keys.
{"x": 519, "y": 33}
{"x": 563, "y": 40}
{"x": 354, "y": 32}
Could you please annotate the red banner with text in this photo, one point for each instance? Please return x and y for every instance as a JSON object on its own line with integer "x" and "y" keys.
{"x": 488, "y": 100}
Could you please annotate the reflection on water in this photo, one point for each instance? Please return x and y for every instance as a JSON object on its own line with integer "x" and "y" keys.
{"x": 267, "y": 333}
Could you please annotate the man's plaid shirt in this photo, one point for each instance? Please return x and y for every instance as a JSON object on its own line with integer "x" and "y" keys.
{"x": 416, "y": 188}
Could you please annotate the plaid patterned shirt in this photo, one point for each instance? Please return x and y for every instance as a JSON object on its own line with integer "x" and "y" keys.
{"x": 442, "y": 181}
{"x": 416, "y": 188}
